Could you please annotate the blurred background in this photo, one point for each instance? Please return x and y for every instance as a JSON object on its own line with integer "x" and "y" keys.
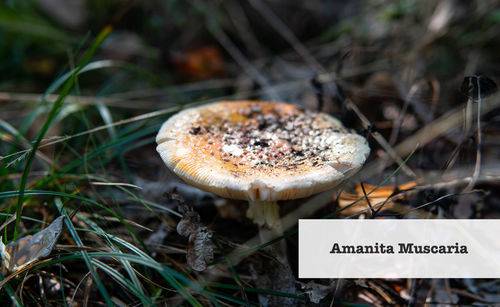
{"x": 391, "y": 70}
{"x": 158, "y": 44}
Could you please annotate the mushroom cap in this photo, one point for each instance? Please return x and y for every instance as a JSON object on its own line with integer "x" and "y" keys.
{"x": 259, "y": 151}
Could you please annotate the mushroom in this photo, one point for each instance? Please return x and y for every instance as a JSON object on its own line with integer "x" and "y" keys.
{"x": 260, "y": 151}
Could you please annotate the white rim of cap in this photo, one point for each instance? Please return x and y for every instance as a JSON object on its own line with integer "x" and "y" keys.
{"x": 206, "y": 171}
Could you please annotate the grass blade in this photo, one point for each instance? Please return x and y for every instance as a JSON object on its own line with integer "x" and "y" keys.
{"x": 86, "y": 258}
{"x": 68, "y": 85}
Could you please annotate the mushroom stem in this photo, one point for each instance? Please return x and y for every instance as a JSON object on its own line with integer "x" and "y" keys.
{"x": 267, "y": 213}
{"x": 264, "y": 213}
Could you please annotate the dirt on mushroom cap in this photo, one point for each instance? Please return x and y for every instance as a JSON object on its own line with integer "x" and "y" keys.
{"x": 259, "y": 150}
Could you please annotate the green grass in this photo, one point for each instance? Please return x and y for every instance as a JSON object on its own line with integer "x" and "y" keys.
{"x": 99, "y": 150}
{"x": 62, "y": 189}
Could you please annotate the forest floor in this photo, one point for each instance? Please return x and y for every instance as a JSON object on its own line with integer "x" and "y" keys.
{"x": 86, "y": 85}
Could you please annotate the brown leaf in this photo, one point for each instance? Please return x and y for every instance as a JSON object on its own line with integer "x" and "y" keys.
{"x": 17, "y": 255}
{"x": 200, "y": 250}
{"x": 376, "y": 197}
{"x": 185, "y": 228}
{"x": 316, "y": 292}
{"x": 189, "y": 223}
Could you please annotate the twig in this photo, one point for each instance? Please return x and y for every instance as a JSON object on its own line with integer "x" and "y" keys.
{"x": 435, "y": 186}
{"x": 477, "y": 166}
{"x": 438, "y": 127}
{"x": 445, "y": 123}
{"x": 381, "y": 140}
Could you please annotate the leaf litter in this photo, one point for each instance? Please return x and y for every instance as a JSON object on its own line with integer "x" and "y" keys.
{"x": 200, "y": 249}
{"x": 18, "y": 254}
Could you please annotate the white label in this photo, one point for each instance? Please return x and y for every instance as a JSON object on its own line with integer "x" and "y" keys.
{"x": 399, "y": 248}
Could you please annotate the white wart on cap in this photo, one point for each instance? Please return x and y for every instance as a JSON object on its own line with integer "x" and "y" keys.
{"x": 259, "y": 151}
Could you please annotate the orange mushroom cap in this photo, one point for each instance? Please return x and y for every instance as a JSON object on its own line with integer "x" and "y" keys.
{"x": 259, "y": 151}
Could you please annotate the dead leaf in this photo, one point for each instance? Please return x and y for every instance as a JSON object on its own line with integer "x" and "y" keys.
{"x": 376, "y": 197}
{"x": 16, "y": 255}
{"x": 189, "y": 223}
{"x": 200, "y": 250}
{"x": 317, "y": 292}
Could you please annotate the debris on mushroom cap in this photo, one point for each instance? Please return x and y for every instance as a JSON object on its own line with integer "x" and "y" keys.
{"x": 261, "y": 151}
